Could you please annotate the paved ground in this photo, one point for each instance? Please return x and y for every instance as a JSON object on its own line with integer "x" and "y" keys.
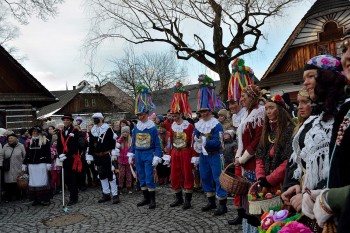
{"x": 89, "y": 216}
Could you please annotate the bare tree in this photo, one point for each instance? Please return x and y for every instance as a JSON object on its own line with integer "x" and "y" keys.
{"x": 155, "y": 70}
{"x": 21, "y": 10}
{"x": 235, "y": 27}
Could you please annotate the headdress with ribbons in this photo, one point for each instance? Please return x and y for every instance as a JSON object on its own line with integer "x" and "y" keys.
{"x": 241, "y": 77}
{"x": 179, "y": 103}
{"x": 207, "y": 99}
{"x": 144, "y": 102}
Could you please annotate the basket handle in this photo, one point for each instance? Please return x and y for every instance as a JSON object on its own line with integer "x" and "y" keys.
{"x": 253, "y": 185}
{"x": 228, "y": 166}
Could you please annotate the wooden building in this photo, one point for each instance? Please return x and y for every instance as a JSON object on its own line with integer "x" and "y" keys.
{"x": 319, "y": 32}
{"x": 21, "y": 95}
{"x": 83, "y": 100}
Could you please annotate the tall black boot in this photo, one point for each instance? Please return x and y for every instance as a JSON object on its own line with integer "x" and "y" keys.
{"x": 222, "y": 207}
{"x": 178, "y": 200}
{"x": 152, "y": 204}
{"x": 211, "y": 204}
{"x": 238, "y": 219}
{"x": 145, "y": 200}
{"x": 188, "y": 199}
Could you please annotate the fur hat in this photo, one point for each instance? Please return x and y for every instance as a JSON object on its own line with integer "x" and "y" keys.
{"x": 229, "y": 132}
{"x": 67, "y": 116}
{"x": 79, "y": 118}
{"x": 2, "y": 132}
{"x": 223, "y": 112}
{"x": 125, "y": 129}
{"x": 97, "y": 115}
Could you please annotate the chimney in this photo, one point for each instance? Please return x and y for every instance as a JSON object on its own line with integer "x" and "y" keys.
{"x": 74, "y": 87}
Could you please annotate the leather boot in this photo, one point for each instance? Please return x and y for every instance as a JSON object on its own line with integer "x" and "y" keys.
{"x": 211, "y": 204}
{"x": 105, "y": 197}
{"x": 116, "y": 199}
{"x": 178, "y": 200}
{"x": 145, "y": 200}
{"x": 238, "y": 219}
{"x": 222, "y": 208}
{"x": 188, "y": 199}
{"x": 152, "y": 204}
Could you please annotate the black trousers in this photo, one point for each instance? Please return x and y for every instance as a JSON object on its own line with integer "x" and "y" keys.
{"x": 71, "y": 180}
{"x": 104, "y": 166}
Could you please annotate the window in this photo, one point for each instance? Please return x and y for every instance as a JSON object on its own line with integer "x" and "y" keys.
{"x": 323, "y": 49}
{"x": 86, "y": 103}
{"x": 93, "y": 102}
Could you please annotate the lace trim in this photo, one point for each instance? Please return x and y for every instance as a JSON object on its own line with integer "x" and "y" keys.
{"x": 147, "y": 125}
{"x": 180, "y": 128}
{"x": 315, "y": 153}
{"x": 237, "y": 118}
{"x": 97, "y": 131}
{"x": 205, "y": 127}
{"x": 255, "y": 118}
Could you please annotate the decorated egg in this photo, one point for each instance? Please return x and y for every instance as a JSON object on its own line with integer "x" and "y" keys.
{"x": 254, "y": 198}
{"x": 268, "y": 196}
{"x": 278, "y": 192}
{"x": 267, "y": 222}
{"x": 261, "y": 195}
{"x": 250, "y": 196}
{"x": 280, "y": 215}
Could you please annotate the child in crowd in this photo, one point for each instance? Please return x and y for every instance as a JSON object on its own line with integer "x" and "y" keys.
{"x": 123, "y": 143}
{"x": 230, "y": 147}
{"x": 163, "y": 171}
{"x": 55, "y": 170}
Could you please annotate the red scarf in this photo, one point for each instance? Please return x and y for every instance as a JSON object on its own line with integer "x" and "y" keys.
{"x": 77, "y": 164}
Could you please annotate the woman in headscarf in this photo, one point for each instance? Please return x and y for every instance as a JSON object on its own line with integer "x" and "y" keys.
{"x": 325, "y": 85}
{"x": 16, "y": 152}
{"x": 38, "y": 163}
{"x": 248, "y": 135}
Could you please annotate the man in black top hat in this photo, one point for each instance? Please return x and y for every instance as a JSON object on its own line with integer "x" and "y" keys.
{"x": 67, "y": 148}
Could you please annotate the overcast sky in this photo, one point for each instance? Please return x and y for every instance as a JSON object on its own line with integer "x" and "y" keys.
{"x": 55, "y": 57}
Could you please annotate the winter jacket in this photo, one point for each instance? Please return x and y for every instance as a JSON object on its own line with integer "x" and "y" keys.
{"x": 18, "y": 153}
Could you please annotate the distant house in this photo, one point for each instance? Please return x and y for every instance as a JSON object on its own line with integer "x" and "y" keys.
{"x": 20, "y": 94}
{"x": 118, "y": 97}
{"x": 83, "y": 100}
{"x": 319, "y": 32}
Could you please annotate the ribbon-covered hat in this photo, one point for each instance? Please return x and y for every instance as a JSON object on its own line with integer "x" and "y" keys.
{"x": 253, "y": 91}
{"x": 277, "y": 99}
{"x": 207, "y": 99}
{"x": 179, "y": 102}
{"x": 144, "y": 102}
{"x": 241, "y": 77}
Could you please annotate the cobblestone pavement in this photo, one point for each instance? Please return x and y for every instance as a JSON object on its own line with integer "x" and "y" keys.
{"x": 20, "y": 216}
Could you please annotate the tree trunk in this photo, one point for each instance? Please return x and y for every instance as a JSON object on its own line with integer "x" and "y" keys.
{"x": 224, "y": 72}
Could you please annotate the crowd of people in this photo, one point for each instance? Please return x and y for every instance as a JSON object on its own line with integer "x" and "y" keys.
{"x": 303, "y": 156}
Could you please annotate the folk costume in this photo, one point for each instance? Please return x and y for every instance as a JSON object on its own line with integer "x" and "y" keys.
{"x": 38, "y": 163}
{"x": 182, "y": 150}
{"x": 101, "y": 144}
{"x": 68, "y": 150}
{"x": 145, "y": 147}
{"x": 248, "y": 135}
{"x": 241, "y": 77}
{"x": 208, "y": 142}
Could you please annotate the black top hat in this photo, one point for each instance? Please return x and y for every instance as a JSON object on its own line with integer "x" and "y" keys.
{"x": 67, "y": 116}
{"x": 37, "y": 128}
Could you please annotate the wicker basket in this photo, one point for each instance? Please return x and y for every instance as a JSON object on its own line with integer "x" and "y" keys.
{"x": 22, "y": 182}
{"x": 262, "y": 205}
{"x": 233, "y": 184}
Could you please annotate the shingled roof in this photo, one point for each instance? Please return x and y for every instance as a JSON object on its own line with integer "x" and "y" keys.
{"x": 324, "y": 5}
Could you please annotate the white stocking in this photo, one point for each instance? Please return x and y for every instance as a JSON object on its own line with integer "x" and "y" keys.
{"x": 105, "y": 186}
{"x": 114, "y": 187}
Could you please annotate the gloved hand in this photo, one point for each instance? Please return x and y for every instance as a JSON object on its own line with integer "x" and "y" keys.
{"x": 197, "y": 145}
{"x": 62, "y": 157}
{"x": 245, "y": 157}
{"x": 117, "y": 145}
{"x": 89, "y": 158}
{"x": 320, "y": 214}
{"x": 115, "y": 152}
{"x": 114, "y": 158}
{"x": 115, "y": 136}
{"x": 156, "y": 160}
{"x": 308, "y": 204}
{"x": 195, "y": 160}
{"x": 24, "y": 167}
{"x": 130, "y": 157}
{"x": 166, "y": 159}
{"x": 204, "y": 140}
{"x": 48, "y": 167}
{"x": 264, "y": 182}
